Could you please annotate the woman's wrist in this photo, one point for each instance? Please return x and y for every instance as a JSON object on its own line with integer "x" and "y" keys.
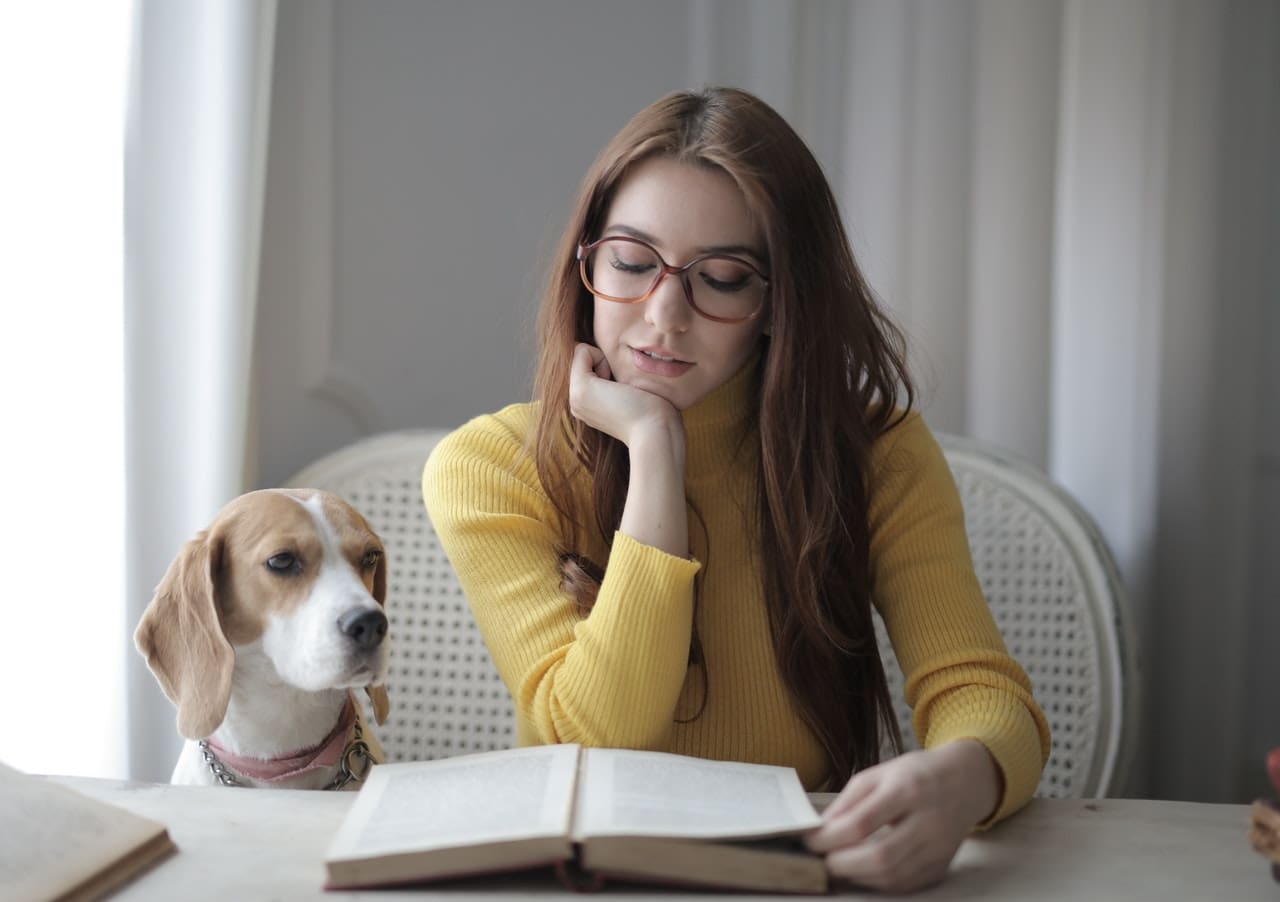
{"x": 658, "y": 444}
{"x": 977, "y": 773}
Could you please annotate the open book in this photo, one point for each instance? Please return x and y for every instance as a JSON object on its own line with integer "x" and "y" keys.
{"x": 594, "y": 814}
{"x": 62, "y": 845}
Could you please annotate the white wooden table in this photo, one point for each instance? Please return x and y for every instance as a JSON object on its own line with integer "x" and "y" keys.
{"x": 251, "y": 844}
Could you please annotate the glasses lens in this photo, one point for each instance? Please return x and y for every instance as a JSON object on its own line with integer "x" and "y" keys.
{"x": 726, "y": 287}
{"x": 723, "y": 287}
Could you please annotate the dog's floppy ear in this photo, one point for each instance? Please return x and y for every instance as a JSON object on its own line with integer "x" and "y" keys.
{"x": 378, "y": 694}
{"x": 182, "y": 639}
{"x": 381, "y": 703}
{"x": 380, "y": 575}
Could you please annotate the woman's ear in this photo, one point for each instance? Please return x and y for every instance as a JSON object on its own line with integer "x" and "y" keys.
{"x": 767, "y": 314}
{"x": 181, "y": 637}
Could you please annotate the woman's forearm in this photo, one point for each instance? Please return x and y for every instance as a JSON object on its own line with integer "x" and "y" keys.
{"x": 654, "y": 513}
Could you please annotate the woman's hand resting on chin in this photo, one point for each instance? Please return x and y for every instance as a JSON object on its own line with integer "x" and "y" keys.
{"x": 628, "y": 414}
{"x": 896, "y": 826}
{"x": 653, "y": 432}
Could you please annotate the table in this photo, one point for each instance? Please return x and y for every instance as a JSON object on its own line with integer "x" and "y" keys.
{"x": 258, "y": 844}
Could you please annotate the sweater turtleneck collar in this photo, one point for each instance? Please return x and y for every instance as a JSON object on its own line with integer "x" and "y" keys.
{"x": 716, "y": 425}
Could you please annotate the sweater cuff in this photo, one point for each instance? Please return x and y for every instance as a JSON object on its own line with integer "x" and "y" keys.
{"x": 1008, "y": 731}
{"x": 647, "y": 595}
{"x": 667, "y": 571}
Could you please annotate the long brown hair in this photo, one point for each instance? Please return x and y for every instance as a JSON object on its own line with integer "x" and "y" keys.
{"x": 829, "y": 384}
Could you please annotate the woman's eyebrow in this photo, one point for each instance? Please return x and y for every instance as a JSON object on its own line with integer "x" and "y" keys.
{"x": 644, "y": 236}
{"x": 632, "y": 233}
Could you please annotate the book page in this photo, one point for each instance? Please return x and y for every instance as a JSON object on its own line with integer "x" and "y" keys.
{"x": 630, "y": 793}
{"x": 56, "y": 838}
{"x": 471, "y": 799}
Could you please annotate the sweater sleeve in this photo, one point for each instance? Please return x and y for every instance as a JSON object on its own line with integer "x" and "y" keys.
{"x": 960, "y": 680}
{"x": 612, "y": 678}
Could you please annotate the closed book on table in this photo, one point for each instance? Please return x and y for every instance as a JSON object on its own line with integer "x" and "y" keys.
{"x": 62, "y": 845}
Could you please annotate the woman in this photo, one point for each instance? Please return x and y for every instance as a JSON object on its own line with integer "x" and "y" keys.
{"x": 677, "y": 545}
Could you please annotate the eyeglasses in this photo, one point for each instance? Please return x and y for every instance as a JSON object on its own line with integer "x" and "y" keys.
{"x": 720, "y": 287}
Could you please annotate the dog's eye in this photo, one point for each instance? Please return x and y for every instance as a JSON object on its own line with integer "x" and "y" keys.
{"x": 284, "y": 562}
{"x": 371, "y": 559}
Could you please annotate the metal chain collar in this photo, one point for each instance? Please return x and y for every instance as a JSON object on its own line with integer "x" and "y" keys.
{"x": 355, "y": 753}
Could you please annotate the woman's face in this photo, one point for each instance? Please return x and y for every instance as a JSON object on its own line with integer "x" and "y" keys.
{"x": 663, "y": 345}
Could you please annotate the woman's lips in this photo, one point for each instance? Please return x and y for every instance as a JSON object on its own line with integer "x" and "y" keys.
{"x": 654, "y": 362}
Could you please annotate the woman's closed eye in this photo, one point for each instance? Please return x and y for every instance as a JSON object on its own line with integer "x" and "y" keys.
{"x": 726, "y": 285}
{"x": 637, "y": 267}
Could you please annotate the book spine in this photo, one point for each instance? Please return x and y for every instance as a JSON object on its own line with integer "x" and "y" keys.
{"x": 573, "y": 876}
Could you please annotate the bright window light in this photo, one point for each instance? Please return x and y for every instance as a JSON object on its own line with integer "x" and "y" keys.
{"x": 61, "y": 223}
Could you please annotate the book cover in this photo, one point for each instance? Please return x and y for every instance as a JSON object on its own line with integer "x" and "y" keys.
{"x": 62, "y": 845}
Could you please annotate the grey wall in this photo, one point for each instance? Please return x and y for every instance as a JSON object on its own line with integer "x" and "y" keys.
{"x": 423, "y": 159}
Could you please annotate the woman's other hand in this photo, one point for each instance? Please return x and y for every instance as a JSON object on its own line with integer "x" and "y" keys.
{"x": 896, "y": 826}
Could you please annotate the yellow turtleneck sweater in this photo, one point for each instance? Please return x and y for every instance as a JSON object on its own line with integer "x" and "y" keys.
{"x": 620, "y": 676}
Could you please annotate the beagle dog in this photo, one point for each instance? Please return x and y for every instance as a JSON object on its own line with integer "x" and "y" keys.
{"x": 260, "y": 630}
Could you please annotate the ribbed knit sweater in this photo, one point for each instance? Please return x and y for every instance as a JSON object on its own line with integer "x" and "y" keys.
{"x": 620, "y": 677}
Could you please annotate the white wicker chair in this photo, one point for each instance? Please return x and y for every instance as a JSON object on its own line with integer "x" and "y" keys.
{"x": 1048, "y": 576}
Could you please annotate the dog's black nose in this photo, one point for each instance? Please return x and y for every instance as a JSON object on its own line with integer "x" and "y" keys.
{"x": 366, "y": 628}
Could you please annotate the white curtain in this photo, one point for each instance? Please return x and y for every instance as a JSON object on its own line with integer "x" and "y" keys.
{"x": 195, "y": 159}
{"x": 1073, "y": 207}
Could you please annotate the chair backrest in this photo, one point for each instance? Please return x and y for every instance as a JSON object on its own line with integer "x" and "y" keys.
{"x": 1048, "y": 576}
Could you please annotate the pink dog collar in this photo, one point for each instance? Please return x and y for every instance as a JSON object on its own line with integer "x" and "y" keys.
{"x": 271, "y": 770}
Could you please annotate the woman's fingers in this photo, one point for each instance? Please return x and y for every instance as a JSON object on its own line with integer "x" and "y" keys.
{"x": 858, "y": 788}
{"x": 873, "y": 810}
{"x": 896, "y": 826}
{"x": 585, "y": 358}
{"x": 582, "y": 371}
{"x": 900, "y": 858}
{"x": 612, "y": 407}
{"x": 872, "y": 799}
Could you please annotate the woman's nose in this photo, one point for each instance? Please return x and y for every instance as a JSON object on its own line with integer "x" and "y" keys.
{"x": 668, "y": 308}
